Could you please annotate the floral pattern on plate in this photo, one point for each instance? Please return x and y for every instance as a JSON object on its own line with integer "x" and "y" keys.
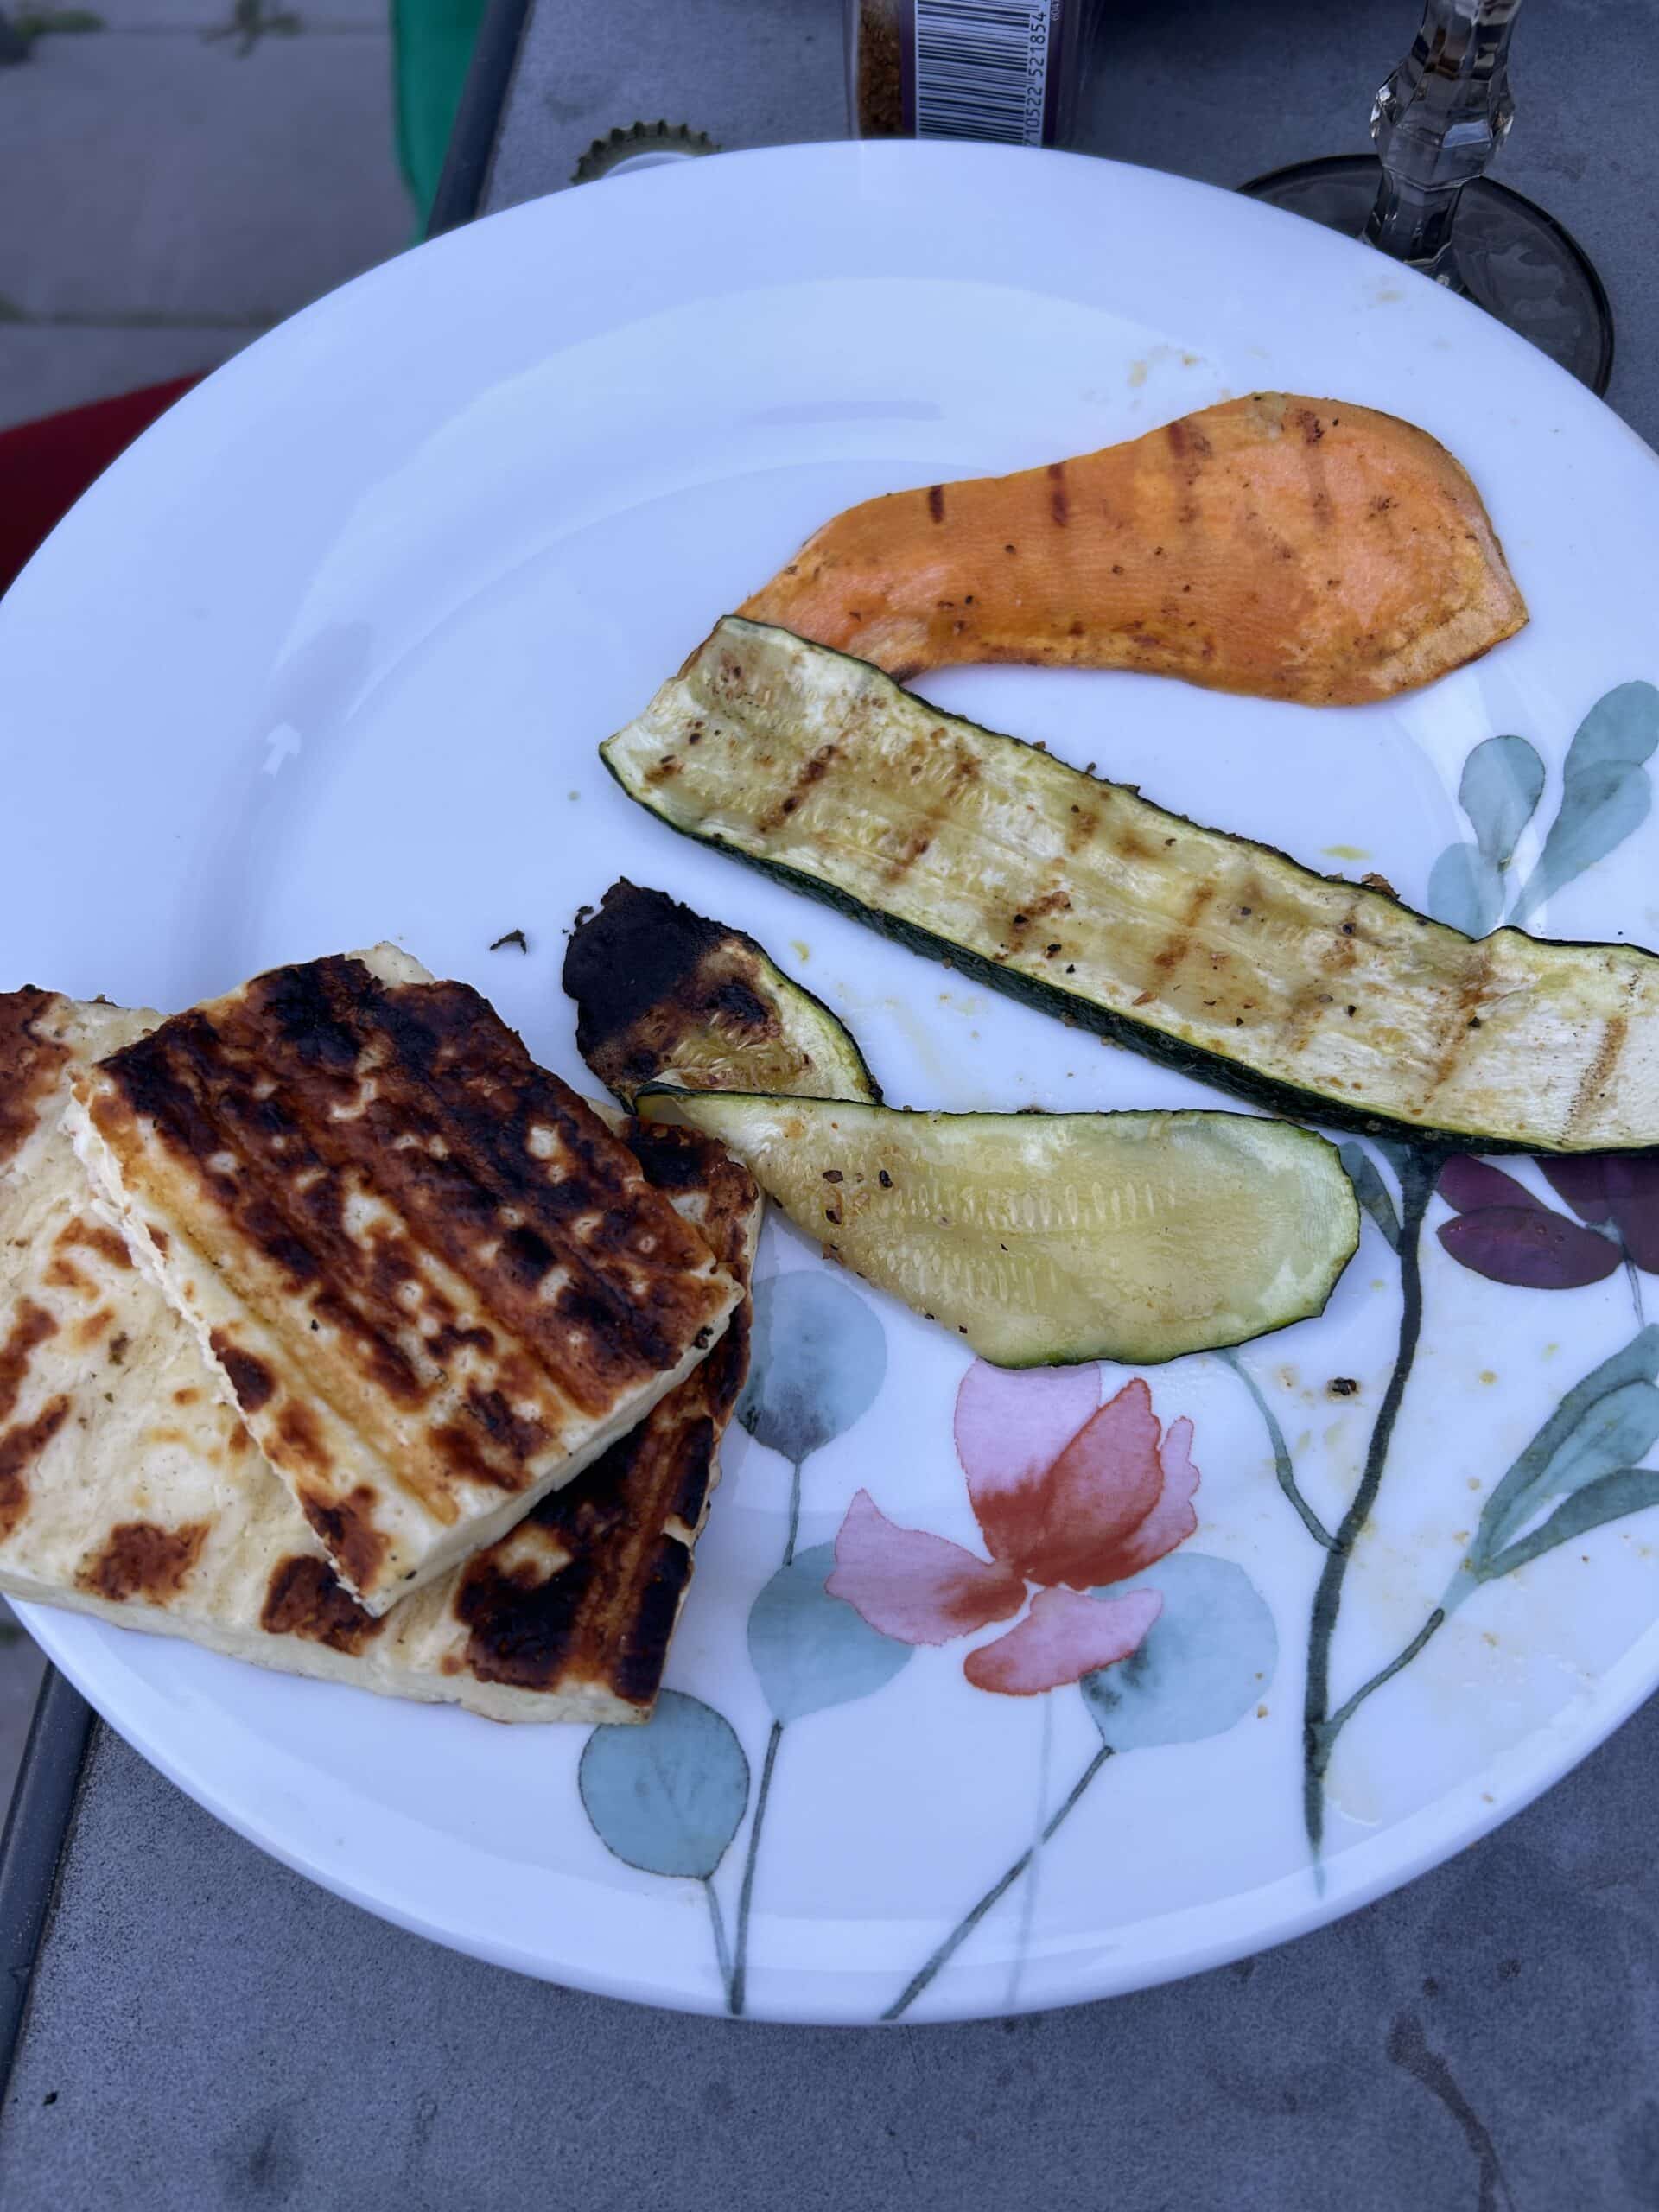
{"x": 1086, "y": 1509}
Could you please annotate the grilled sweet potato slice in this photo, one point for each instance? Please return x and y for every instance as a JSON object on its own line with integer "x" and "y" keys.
{"x": 1293, "y": 548}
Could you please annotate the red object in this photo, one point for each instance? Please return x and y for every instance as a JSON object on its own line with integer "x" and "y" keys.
{"x": 46, "y": 465}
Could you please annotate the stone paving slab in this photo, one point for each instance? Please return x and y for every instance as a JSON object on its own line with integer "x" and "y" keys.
{"x": 169, "y": 175}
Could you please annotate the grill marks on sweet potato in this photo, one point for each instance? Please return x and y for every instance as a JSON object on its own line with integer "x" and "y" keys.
{"x": 1295, "y": 548}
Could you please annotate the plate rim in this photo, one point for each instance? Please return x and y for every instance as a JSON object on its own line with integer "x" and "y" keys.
{"x": 1553, "y": 1748}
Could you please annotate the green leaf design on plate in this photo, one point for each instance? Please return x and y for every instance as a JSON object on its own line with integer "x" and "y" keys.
{"x": 1606, "y": 792}
{"x": 1372, "y": 1191}
{"x": 1399, "y": 1156}
{"x": 669, "y": 1797}
{"x": 1610, "y": 1497}
{"x": 1465, "y": 890}
{"x": 810, "y": 1651}
{"x": 1207, "y": 1660}
{"x": 1502, "y": 782}
{"x": 1602, "y": 1424}
{"x": 819, "y": 1358}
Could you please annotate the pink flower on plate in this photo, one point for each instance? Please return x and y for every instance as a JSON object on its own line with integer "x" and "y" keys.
{"x": 1069, "y": 1494}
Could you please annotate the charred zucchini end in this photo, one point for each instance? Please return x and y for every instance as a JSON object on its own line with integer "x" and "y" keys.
{"x": 662, "y": 991}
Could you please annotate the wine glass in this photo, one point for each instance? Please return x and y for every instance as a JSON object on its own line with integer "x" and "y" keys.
{"x": 1423, "y": 198}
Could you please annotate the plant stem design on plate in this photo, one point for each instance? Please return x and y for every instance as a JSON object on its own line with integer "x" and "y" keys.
{"x": 1585, "y": 1460}
{"x": 1083, "y": 1508}
{"x": 670, "y": 1798}
{"x": 820, "y": 1357}
{"x": 1579, "y": 1472}
{"x": 1605, "y": 794}
{"x": 1416, "y": 1169}
{"x": 1501, "y": 1228}
{"x": 1283, "y": 1466}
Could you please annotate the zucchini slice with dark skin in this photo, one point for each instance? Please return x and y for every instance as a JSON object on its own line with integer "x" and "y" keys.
{"x": 1048, "y": 1239}
{"x": 663, "y": 994}
{"x": 1314, "y": 996}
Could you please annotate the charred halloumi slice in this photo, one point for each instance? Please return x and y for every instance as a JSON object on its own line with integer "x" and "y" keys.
{"x": 434, "y": 1285}
{"x": 129, "y": 1489}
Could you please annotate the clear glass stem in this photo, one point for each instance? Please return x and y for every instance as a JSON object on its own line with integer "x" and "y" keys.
{"x": 1437, "y": 123}
{"x": 1416, "y": 227}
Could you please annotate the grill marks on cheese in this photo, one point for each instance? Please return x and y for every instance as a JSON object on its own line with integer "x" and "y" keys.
{"x": 587, "y": 1589}
{"x": 441, "y": 1250}
{"x": 31, "y": 1062}
{"x": 129, "y": 1489}
{"x": 590, "y": 1585}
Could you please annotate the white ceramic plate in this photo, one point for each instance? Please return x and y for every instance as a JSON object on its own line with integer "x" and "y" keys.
{"x": 325, "y": 659}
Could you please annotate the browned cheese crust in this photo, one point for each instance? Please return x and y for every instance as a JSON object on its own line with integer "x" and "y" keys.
{"x": 444, "y": 1274}
{"x": 129, "y": 1489}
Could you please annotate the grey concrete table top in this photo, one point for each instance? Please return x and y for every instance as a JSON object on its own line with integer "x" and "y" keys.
{"x": 206, "y": 2030}
{"x": 1223, "y": 90}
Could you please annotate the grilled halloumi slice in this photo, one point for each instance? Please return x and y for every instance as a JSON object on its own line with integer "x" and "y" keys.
{"x": 433, "y": 1283}
{"x": 130, "y": 1491}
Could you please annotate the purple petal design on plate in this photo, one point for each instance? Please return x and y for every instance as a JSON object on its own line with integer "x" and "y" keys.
{"x": 1531, "y": 1247}
{"x": 1583, "y": 1183}
{"x": 1633, "y": 1189}
{"x": 1467, "y": 1184}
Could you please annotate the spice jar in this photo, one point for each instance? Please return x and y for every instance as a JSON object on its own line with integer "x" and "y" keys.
{"x": 1007, "y": 71}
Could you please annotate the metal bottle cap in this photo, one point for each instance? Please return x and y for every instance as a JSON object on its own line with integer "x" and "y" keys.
{"x": 641, "y": 146}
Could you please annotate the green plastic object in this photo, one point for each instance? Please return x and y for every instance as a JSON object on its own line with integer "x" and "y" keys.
{"x": 432, "y": 50}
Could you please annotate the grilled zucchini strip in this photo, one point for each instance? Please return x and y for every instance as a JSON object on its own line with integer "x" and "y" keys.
{"x": 1045, "y": 1239}
{"x": 663, "y": 994}
{"x": 1314, "y": 996}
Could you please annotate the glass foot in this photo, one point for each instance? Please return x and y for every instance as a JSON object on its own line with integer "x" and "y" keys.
{"x": 1514, "y": 260}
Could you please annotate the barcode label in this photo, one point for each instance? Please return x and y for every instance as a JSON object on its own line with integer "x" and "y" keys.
{"x": 982, "y": 69}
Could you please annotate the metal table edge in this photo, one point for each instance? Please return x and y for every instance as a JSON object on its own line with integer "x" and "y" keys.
{"x": 31, "y": 1847}
{"x": 460, "y": 195}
